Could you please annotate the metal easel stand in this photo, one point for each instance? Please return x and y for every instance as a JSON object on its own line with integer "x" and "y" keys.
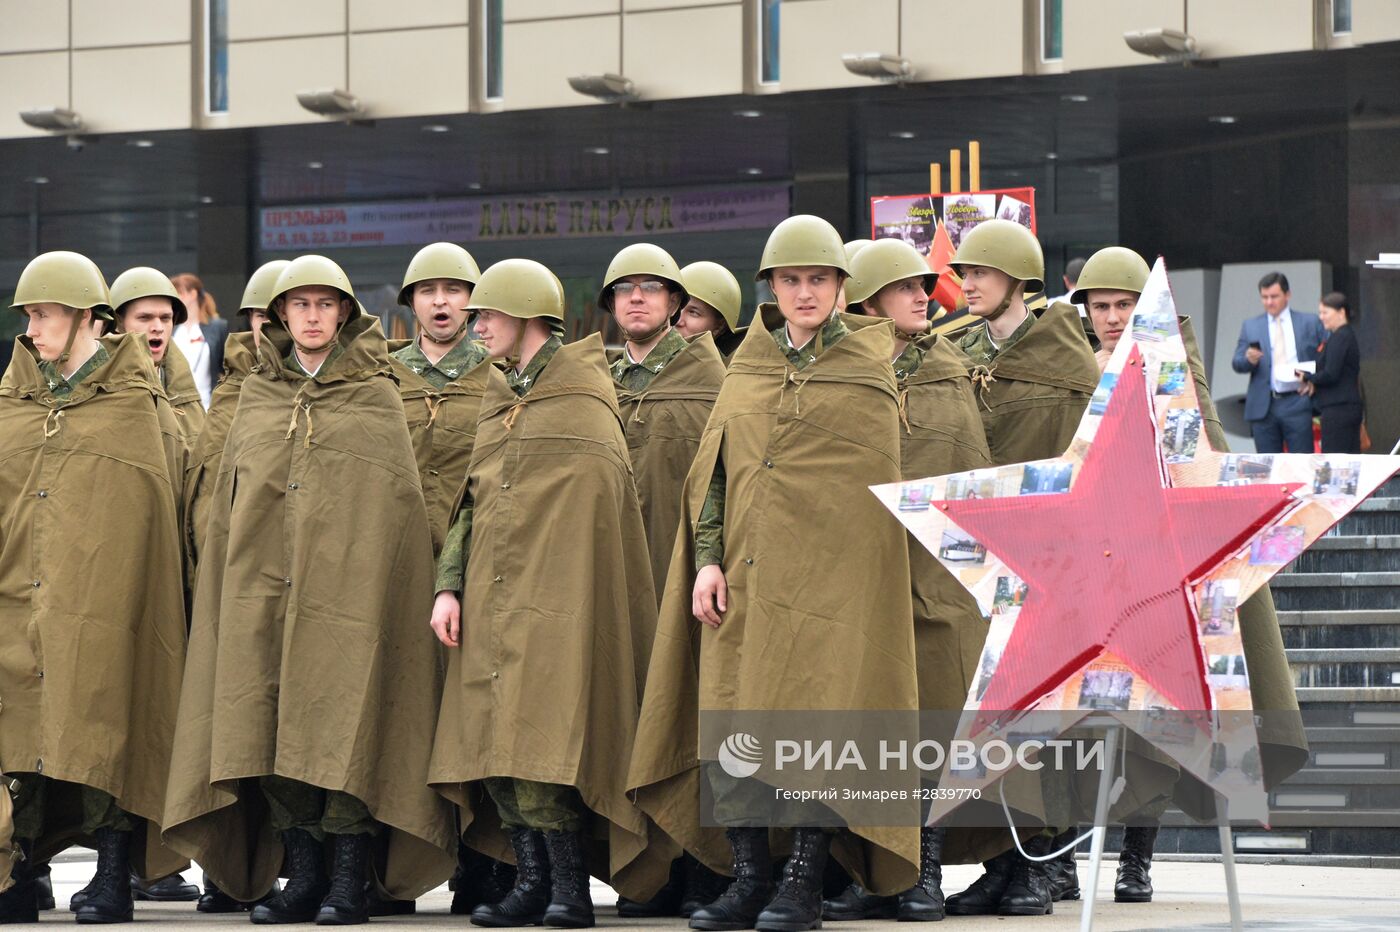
{"x": 1100, "y": 833}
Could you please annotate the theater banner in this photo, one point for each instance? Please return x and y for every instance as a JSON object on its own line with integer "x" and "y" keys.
{"x": 563, "y": 216}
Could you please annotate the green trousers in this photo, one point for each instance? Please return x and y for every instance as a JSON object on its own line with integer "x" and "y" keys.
{"x": 549, "y": 807}
{"x": 36, "y": 797}
{"x": 319, "y": 812}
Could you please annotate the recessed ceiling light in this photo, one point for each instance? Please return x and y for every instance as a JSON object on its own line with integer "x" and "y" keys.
{"x": 748, "y": 114}
{"x": 437, "y": 128}
{"x": 474, "y": 186}
{"x": 206, "y": 199}
{"x": 38, "y": 179}
{"x": 1052, "y": 156}
{"x": 140, "y": 143}
{"x": 597, "y": 150}
{"x": 315, "y": 164}
{"x": 753, "y": 171}
{"x": 1075, "y": 98}
{"x": 903, "y": 134}
{"x": 1224, "y": 120}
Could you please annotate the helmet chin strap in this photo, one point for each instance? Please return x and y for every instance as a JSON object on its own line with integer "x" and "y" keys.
{"x": 73, "y": 329}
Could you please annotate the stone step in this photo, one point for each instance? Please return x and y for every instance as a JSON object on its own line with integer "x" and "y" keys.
{"x": 1339, "y": 736}
{"x": 1357, "y": 617}
{"x": 1340, "y": 637}
{"x": 1336, "y": 591}
{"x": 1327, "y": 695}
{"x": 1373, "y": 516}
{"x": 1356, "y": 542}
{"x": 1329, "y": 776}
{"x": 1358, "y": 559}
{"x": 1344, "y": 655}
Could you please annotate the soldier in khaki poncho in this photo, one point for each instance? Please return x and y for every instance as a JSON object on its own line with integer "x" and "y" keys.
{"x": 667, "y": 383}
{"x": 442, "y": 373}
{"x": 713, "y": 306}
{"x": 89, "y": 673}
{"x": 806, "y": 405}
{"x": 306, "y": 708}
{"x": 145, "y": 301}
{"x": 544, "y": 594}
{"x": 940, "y": 433}
{"x": 1109, "y": 287}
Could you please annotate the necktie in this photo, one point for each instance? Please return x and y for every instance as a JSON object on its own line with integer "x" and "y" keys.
{"x": 1282, "y": 373}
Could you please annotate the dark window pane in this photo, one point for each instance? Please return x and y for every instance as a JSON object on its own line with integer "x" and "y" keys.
{"x": 216, "y": 55}
{"x": 494, "y": 63}
{"x": 769, "y": 16}
{"x": 1341, "y": 16}
{"x": 1052, "y": 25}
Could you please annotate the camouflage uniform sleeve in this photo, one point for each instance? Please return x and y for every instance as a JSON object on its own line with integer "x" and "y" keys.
{"x": 452, "y": 562}
{"x": 709, "y": 528}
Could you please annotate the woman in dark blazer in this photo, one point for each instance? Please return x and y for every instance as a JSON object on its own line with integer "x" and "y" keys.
{"x": 1336, "y": 386}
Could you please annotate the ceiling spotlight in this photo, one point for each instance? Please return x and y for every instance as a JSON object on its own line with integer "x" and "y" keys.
{"x": 608, "y": 87}
{"x": 331, "y": 102}
{"x": 904, "y": 134}
{"x": 597, "y": 150}
{"x": 140, "y": 143}
{"x": 206, "y": 199}
{"x": 1224, "y": 120}
{"x": 753, "y": 171}
{"x": 437, "y": 128}
{"x": 748, "y": 114}
{"x": 1075, "y": 98}
{"x": 1170, "y": 45}
{"x": 52, "y": 119}
{"x": 38, "y": 179}
{"x": 315, "y": 165}
{"x": 1052, "y": 156}
{"x": 474, "y": 186}
{"x": 877, "y": 65}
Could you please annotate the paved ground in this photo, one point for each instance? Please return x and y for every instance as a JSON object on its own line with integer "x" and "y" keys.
{"x": 1189, "y": 896}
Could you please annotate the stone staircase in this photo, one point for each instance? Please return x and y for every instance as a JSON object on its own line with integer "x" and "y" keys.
{"x": 1339, "y": 608}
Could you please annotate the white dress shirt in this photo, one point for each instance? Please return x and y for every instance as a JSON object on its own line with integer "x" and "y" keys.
{"x": 191, "y": 341}
{"x": 1283, "y": 353}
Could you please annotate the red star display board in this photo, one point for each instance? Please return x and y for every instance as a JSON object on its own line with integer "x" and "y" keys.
{"x": 1110, "y": 576}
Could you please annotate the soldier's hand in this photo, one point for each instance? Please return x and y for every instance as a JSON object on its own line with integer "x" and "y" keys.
{"x": 447, "y": 618}
{"x": 710, "y": 598}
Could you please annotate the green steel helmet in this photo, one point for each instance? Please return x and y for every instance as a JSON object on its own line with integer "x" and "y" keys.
{"x": 519, "y": 288}
{"x": 438, "y": 260}
{"x": 1115, "y": 267}
{"x": 853, "y": 248}
{"x": 883, "y": 263}
{"x": 803, "y": 240}
{"x": 717, "y": 287}
{"x": 641, "y": 259}
{"x": 66, "y": 278}
{"x": 1006, "y": 246}
{"x": 309, "y": 271}
{"x": 146, "y": 282}
{"x": 258, "y": 293}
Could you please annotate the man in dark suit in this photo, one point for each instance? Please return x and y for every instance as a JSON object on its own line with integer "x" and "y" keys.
{"x": 1270, "y": 347}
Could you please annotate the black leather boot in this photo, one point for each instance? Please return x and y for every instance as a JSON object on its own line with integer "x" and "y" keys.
{"x": 43, "y": 887}
{"x": 797, "y": 906}
{"x": 984, "y": 895}
{"x": 1134, "y": 884}
{"x": 1064, "y": 873}
{"x": 1028, "y": 890}
{"x": 924, "y": 901}
{"x": 570, "y": 901}
{"x": 110, "y": 899}
{"x": 856, "y": 902}
{"x": 20, "y": 903}
{"x": 347, "y": 901}
{"x": 478, "y": 879}
{"x": 300, "y": 899}
{"x": 171, "y": 889}
{"x": 526, "y": 902}
{"x": 214, "y": 900}
{"x": 702, "y": 886}
{"x": 739, "y": 905}
{"x": 666, "y": 902}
